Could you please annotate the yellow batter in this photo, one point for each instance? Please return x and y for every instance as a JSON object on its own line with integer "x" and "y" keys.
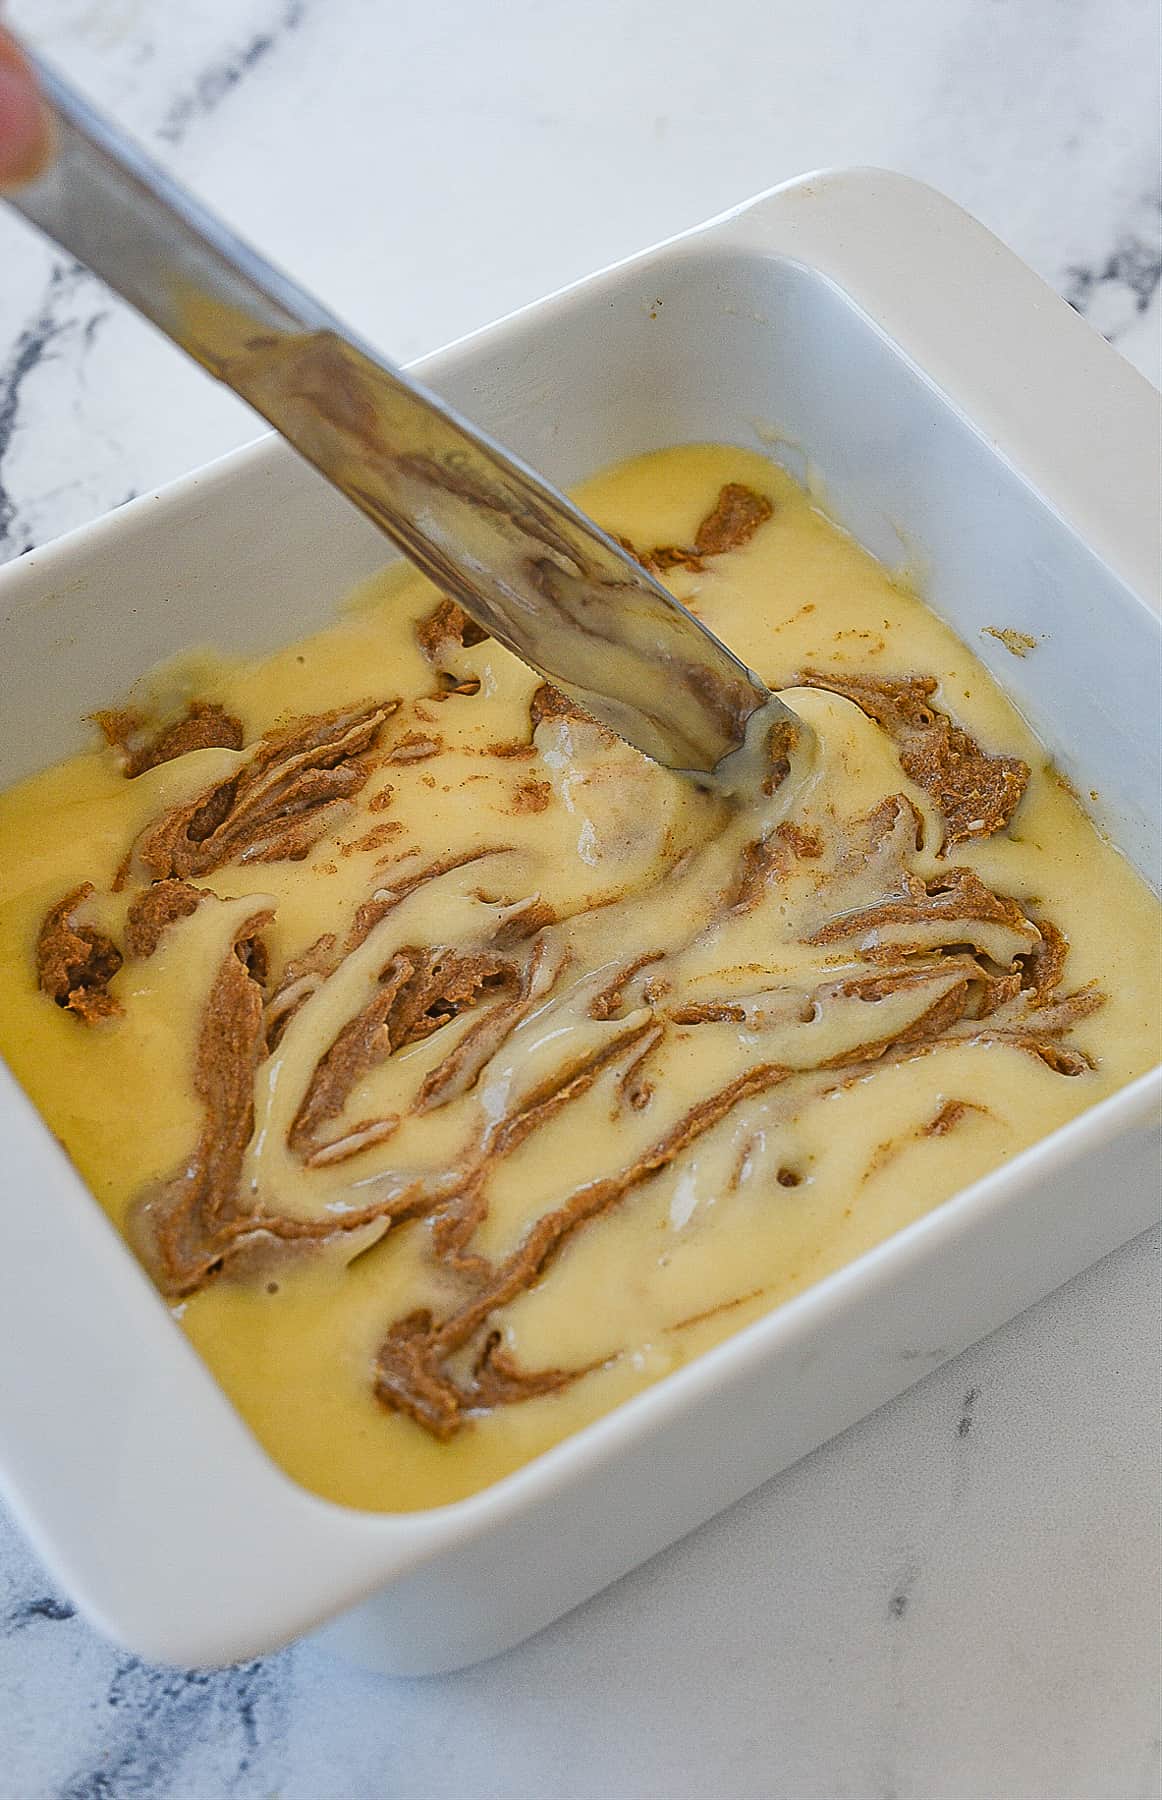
{"x": 682, "y": 1058}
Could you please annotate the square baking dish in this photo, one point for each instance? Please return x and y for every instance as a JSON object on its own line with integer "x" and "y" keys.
{"x": 961, "y": 420}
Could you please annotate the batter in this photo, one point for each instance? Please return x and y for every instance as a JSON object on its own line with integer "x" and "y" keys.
{"x": 456, "y": 1072}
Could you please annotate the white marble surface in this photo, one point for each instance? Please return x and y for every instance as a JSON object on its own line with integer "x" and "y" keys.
{"x": 959, "y": 1599}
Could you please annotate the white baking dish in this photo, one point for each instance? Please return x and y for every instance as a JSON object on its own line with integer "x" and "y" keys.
{"x": 962, "y": 419}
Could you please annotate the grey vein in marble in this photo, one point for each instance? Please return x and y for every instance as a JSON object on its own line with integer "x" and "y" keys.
{"x": 1121, "y": 286}
{"x": 43, "y": 1607}
{"x": 33, "y": 345}
{"x": 214, "y": 83}
{"x": 964, "y": 1423}
{"x": 162, "y": 1714}
{"x": 151, "y": 1720}
{"x": 901, "y": 1594}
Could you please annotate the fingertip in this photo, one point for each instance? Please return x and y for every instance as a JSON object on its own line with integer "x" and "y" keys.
{"x": 25, "y": 135}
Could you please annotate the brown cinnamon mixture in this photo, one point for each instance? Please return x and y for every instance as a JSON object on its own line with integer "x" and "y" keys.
{"x": 531, "y": 796}
{"x": 550, "y": 703}
{"x": 157, "y": 907}
{"x": 732, "y": 522}
{"x": 446, "y": 626}
{"x": 203, "y": 726}
{"x": 958, "y": 898}
{"x": 180, "y": 1226}
{"x": 414, "y": 746}
{"x": 75, "y": 963}
{"x": 420, "y": 990}
{"x": 294, "y": 787}
{"x": 950, "y": 1116}
{"x": 736, "y": 516}
{"x": 977, "y": 793}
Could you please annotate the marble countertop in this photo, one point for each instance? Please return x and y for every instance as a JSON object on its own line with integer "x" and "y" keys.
{"x": 958, "y": 1599}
